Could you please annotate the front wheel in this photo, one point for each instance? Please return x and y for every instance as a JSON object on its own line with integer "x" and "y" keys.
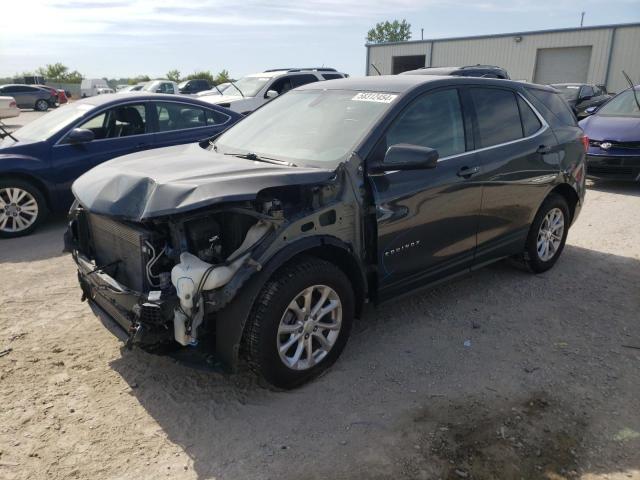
{"x": 22, "y": 208}
{"x": 548, "y": 234}
{"x": 300, "y": 322}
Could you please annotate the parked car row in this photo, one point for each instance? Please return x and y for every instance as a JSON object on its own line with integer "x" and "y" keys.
{"x": 260, "y": 238}
{"x": 38, "y": 97}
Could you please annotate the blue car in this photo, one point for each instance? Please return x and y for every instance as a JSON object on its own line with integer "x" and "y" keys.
{"x": 614, "y": 138}
{"x": 40, "y": 161}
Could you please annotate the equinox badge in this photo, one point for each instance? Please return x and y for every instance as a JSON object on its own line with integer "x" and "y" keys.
{"x": 401, "y": 248}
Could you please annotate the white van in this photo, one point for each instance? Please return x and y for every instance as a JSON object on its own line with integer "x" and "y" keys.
{"x": 89, "y": 86}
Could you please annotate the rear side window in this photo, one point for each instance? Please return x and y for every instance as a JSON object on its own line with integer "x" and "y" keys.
{"x": 331, "y": 76}
{"x": 179, "y": 116}
{"x": 530, "y": 121}
{"x": 554, "y": 105}
{"x": 299, "y": 80}
{"x": 216, "y": 118}
{"x": 497, "y": 115}
{"x": 433, "y": 120}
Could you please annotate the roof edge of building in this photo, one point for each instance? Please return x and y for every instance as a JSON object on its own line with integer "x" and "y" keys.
{"x": 512, "y": 34}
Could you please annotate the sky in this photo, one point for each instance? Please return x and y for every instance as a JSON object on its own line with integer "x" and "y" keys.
{"x": 120, "y": 38}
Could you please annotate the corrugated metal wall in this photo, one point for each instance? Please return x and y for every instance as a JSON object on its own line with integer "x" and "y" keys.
{"x": 625, "y": 56}
{"x": 519, "y": 57}
{"x": 381, "y": 56}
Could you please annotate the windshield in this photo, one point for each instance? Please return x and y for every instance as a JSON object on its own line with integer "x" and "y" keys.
{"x": 569, "y": 92}
{"x": 314, "y": 128}
{"x": 250, "y": 86}
{"x": 44, "y": 127}
{"x": 622, "y": 105}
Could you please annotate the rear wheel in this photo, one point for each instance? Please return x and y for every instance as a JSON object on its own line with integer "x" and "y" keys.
{"x": 41, "y": 105}
{"x": 300, "y": 322}
{"x": 22, "y": 208}
{"x": 548, "y": 234}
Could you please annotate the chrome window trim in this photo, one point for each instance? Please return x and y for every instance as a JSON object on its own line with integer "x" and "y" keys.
{"x": 133, "y": 101}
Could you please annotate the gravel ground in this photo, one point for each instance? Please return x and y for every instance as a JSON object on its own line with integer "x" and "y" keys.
{"x": 501, "y": 374}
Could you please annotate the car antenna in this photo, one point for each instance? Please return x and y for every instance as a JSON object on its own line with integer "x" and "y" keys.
{"x": 234, "y": 86}
{"x": 6, "y": 132}
{"x": 633, "y": 88}
{"x": 376, "y": 69}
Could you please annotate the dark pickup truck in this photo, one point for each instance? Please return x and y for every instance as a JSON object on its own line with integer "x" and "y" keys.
{"x": 266, "y": 242}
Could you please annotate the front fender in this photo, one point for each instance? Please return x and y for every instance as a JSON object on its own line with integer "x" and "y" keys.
{"x": 231, "y": 320}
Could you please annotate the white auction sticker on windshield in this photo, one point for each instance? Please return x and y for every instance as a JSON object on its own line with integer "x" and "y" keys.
{"x": 374, "y": 97}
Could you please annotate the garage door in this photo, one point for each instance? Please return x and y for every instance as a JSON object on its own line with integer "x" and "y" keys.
{"x": 560, "y": 65}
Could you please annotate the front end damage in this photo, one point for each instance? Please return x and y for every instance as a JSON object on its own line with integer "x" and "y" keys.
{"x": 169, "y": 280}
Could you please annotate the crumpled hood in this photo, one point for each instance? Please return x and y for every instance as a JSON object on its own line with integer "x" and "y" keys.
{"x": 617, "y": 129}
{"x": 179, "y": 179}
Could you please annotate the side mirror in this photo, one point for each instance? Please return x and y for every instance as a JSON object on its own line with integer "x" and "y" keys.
{"x": 271, "y": 94}
{"x": 586, "y": 97}
{"x": 590, "y": 110}
{"x": 404, "y": 156}
{"x": 80, "y": 135}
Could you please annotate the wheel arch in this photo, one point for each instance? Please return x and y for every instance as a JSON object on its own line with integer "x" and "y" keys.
{"x": 35, "y": 181}
{"x": 231, "y": 320}
{"x": 570, "y": 195}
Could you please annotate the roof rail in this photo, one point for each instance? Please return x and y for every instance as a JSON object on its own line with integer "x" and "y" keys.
{"x": 315, "y": 69}
{"x": 481, "y": 66}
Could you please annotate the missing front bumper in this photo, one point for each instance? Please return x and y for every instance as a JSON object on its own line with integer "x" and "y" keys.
{"x": 145, "y": 321}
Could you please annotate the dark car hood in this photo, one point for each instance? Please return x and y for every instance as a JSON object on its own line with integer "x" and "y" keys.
{"x": 9, "y": 145}
{"x": 618, "y": 129}
{"x": 178, "y": 179}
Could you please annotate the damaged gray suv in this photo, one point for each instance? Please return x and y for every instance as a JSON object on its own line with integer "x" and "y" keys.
{"x": 265, "y": 242}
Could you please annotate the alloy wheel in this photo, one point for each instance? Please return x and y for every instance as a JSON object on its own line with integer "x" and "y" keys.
{"x": 550, "y": 234}
{"x": 18, "y": 209}
{"x": 309, "y": 327}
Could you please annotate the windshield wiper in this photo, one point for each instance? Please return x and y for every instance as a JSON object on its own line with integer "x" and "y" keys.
{"x": 633, "y": 88}
{"x": 6, "y": 132}
{"x": 257, "y": 158}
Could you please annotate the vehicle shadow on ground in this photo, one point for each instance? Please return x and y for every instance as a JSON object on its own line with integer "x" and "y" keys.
{"x": 46, "y": 242}
{"x": 620, "y": 188}
{"x": 424, "y": 384}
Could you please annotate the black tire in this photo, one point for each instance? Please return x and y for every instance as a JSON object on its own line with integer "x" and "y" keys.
{"x": 37, "y": 195}
{"x": 41, "y": 105}
{"x": 261, "y": 332}
{"x": 531, "y": 256}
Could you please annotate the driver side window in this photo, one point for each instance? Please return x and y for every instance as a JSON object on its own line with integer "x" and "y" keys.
{"x": 122, "y": 121}
{"x": 282, "y": 85}
{"x": 433, "y": 120}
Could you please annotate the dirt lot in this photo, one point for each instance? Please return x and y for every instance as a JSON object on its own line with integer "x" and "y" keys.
{"x": 499, "y": 375}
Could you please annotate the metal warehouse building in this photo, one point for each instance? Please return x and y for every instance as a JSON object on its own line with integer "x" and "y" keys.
{"x": 589, "y": 54}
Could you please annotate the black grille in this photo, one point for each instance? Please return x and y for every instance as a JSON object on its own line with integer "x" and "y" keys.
{"x": 621, "y": 145}
{"x": 121, "y": 247}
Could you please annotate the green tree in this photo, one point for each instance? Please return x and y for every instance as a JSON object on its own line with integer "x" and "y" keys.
{"x": 73, "y": 77}
{"x": 58, "y": 72}
{"x": 390, "y": 32}
{"x": 55, "y": 71}
{"x": 173, "y": 75}
{"x": 204, "y": 75}
{"x": 222, "y": 77}
{"x": 138, "y": 79}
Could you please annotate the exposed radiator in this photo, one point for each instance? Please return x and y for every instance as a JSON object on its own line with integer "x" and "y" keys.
{"x": 123, "y": 247}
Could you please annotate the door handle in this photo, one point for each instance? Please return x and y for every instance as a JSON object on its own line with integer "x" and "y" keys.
{"x": 543, "y": 149}
{"x": 467, "y": 172}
